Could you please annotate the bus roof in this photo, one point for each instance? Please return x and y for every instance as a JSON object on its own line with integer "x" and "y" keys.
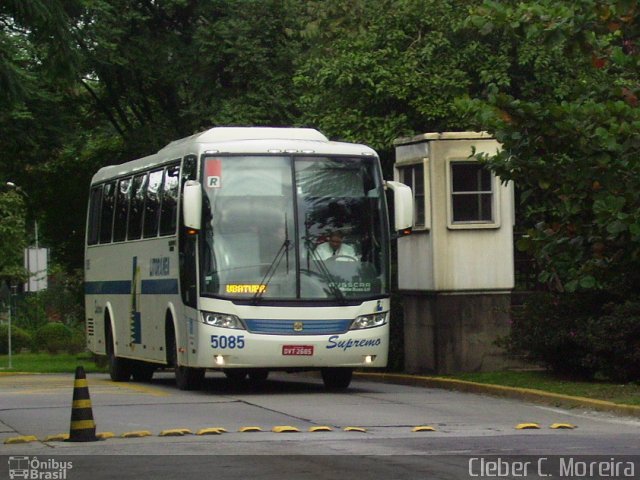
{"x": 237, "y": 140}
{"x": 230, "y": 134}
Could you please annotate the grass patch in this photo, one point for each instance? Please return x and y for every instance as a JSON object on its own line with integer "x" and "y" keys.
{"x": 48, "y": 363}
{"x": 628, "y": 394}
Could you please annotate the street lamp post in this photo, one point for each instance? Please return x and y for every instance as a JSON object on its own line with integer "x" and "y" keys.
{"x": 12, "y": 289}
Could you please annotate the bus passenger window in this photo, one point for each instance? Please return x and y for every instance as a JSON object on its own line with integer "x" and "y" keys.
{"x": 136, "y": 208}
{"x": 122, "y": 210}
{"x": 106, "y": 216}
{"x": 94, "y": 215}
{"x": 152, "y": 204}
{"x": 169, "y": 211}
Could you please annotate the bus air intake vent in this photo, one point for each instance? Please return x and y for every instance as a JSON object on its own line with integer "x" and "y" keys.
{"x": 298, "y": 327}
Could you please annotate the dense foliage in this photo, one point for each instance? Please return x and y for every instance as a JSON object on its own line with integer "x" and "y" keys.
{"x": 20, "y": 338}
{"x": 54, "y": 337}
{"x": 580, "y": 335}
{"x": 566, "y": 109}
{"x": 12, "y": 241}
{"x": 87, "y": 83}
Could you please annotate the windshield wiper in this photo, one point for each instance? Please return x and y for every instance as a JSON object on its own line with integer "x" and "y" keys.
{"x": 283, "y": 251}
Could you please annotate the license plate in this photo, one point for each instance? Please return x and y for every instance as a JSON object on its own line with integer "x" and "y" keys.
{"x": 297, "y": 350}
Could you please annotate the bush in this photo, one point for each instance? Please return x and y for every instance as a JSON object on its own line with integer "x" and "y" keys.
{"x": 615, "y": 340}
{"x": 53, "y": 337}
{"x": 550, "y": 329}
{"x": 579, "y": 335}
{"x": 20, "y": 339}
{"x": 29, "y": 311}
{"x": 77, "y": 343}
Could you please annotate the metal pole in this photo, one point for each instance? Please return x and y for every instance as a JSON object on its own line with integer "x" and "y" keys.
{"x": 11, "y": 288}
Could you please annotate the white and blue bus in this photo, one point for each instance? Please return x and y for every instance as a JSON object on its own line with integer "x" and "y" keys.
{"x": 245, "y": 250}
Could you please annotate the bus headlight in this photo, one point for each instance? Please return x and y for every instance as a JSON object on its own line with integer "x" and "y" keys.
{"x": 222, "y": 320}
{"x": 369, "y": 321}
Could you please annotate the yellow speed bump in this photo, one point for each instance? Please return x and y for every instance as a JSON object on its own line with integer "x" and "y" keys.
{"x": 527, "y": 426}
{"x": 321, "y": 428}
{"x": 250, "y": 429}
{"x": 355, "y": 429}
{"x": 105, "y": 435}
{"x": 557, "y": 426}
{"x": 423, "y": 428}
{"x": 21, "y": 439}
{"x": 60, "y": 437}
{"x": 211, "y": 431}
{"x": 285, "y": 429}
{"x": 175, "y": 432}
{"x": 136, "y": 434}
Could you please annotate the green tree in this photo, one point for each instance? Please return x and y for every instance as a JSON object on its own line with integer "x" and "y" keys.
{"x": 567, "y": 114}
{"x": 12, "y": 236}
{"x": 91, "y": 83}
{"x": 39, "y": 106}
{"x": 376, "y": 70}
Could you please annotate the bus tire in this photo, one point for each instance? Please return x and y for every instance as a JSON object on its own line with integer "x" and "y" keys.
{"x": 142, "y": 371}
{"x": 187, "y": 378}
{"x": 119, "y": 368}
{"x": 336, "y": 378}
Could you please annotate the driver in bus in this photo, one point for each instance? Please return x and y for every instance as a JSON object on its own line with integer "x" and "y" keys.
{"x": 335, "y": 247}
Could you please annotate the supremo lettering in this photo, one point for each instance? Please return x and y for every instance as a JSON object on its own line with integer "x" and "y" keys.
{"x": 335, "y": 342}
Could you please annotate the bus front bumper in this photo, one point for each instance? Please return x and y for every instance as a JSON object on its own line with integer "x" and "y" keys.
{"x": 224, "y": 348}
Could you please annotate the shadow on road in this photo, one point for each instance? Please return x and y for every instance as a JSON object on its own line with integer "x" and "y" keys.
{"x": 290, "y": 384}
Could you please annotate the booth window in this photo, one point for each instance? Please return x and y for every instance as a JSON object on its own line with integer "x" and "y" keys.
{"x": 472, "y": 194}
{"x": 413, "y": 177}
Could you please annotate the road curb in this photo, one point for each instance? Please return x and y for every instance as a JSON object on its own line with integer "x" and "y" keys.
{"x": 529, "y": 394}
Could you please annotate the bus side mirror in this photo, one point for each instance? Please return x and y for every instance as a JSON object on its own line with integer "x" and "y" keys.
{"x": 402, "y": 207}
{"x": 192, "y": 205}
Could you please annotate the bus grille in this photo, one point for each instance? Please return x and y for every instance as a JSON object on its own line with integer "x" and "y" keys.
{"x": 298, "y": 327}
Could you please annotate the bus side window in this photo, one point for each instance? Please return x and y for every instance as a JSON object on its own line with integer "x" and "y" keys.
{"x": 169, "y": 210}
{"x": 106, "y": 215}
{"x": 136, "y": 209}
{"x": 122, "y": 210}
{"x": 95, "y": 206}
{"x": 152, "y": 204}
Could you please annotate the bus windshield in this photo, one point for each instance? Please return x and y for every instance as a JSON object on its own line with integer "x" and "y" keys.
{"x": 293, "y": 228}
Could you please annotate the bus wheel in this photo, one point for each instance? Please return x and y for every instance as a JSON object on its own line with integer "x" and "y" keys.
{"x": 119, "y": 368}
{"x": 187, "y": 378}
{"x": 142, "y": 372}
{"x": 336, "y": 378}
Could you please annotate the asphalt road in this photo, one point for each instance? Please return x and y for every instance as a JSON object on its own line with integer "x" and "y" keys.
{"x": 469, "y": 431}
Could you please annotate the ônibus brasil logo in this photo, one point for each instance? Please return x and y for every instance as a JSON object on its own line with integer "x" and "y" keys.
{"x": 32, "y": 468}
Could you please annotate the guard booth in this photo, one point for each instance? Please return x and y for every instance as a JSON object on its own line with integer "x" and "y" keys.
{"x": 455, "y": 272}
